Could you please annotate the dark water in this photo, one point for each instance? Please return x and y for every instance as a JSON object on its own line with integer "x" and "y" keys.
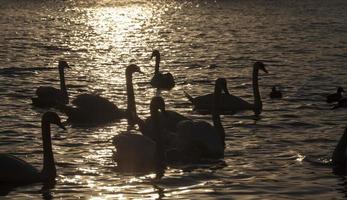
{"x": 284, "y": 155}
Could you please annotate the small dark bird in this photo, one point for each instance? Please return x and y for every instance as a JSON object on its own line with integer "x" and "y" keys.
{"x": 275, "y": 94}
{"x": 336, "y": 96}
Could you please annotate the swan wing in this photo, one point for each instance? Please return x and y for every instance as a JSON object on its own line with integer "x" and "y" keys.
{"x": 93, "y": 102}
{"x": 16, "y": 171}
{"x": 228, "y": 103}
{"x": 163, "y": 81}
{"x": 47, "y": 92}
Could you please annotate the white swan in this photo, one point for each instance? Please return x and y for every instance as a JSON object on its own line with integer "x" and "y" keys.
{"x": 161, "y": 81}
{"x": 16, "y": 171}
{"x": 48, "y": 96}
{"x": 137, "y": 152}
{"x": 94, "y": 109}
{"x": 228, "y": 103}
{"x": 196, "y": 140}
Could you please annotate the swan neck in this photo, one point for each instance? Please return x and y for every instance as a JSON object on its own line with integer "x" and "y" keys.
{"x": 339, "y": 154}
{"x": 62, "y": 84}
{"x": 216, "y": 117}
{"x": 48, "y": 170}
{"x": 157, "y": 136}
{"x": 157, "y": 61}
{"x": 258, "y": 105}
{"x": 131, "y": 105}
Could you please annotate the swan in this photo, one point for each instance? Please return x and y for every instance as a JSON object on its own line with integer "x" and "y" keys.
{"x": 336, "y": 96}
{"x": 94, "y": 109}
{"x": 339, "y": 157}
{"x": 48, "y": 96}
{"x": 137, "y": 152}
{"x": 196, "y": 140}
{"x": 228, "y": 103}
{"x": 275, "y": 94}
{"x": 16, "y": 171}
{"x": 161, "y": 81}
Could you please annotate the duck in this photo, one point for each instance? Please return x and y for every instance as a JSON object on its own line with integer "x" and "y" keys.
{"x": 336, "y": 96}
{"x": 92, "y": 109}
{"x": 197, "y": 140}
{"x": 161, "y": 81}
{"x": 15, "y": 171}
{"x": 230, "y": 104}
{"x": 275, "y": 94}
{"x": 339, "y": 157}
{"x": 48, "y": 96}
{"x": 137, "y": 152}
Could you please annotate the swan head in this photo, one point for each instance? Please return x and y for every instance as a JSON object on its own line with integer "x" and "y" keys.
{"x": 155, "y": 53}
{"x": 340, "y": 90}
{"x": 63, "y": 64}
{"x": 157, "y": 103}
{"x": 260, "y": 66}
{"x": 132, "y": 69}
{"x": 221, "y": 84}
{"x": 52, "y": 118}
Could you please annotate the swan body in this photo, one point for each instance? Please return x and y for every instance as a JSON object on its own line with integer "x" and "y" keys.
{"x": 94, "y": 109}
{"x": 196, "y": 140}
{"x": 339, "y": 157}
{"x": 137, "y": 152}
{"x": 275, "y": 94}
{"x": 336, "y": 96}
{"x": 49, "y": 96}
{"x": 228, "y": 103}
{"x": 16, "y": 171}
{"x": 160, "y": 80}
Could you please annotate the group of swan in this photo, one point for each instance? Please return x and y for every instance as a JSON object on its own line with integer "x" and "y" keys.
{"x": 166, "y": 136}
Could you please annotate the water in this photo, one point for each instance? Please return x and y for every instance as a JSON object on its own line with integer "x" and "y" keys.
{"x": 284, "y": 155}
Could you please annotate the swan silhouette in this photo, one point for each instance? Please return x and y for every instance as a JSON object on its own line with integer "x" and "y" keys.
{"x": 196, "y": 140}
{"x": 16, "y": 171}
{"x": 275, "y": 94}
{"x": 93, "y": 109}
{"x": 336, "y": 96}
{"x": 48, "y": 96}
{"x": 137, "y": 152}
{"x": 339, "y": 157}
{"x": 228, "y": 103}
{"x": 161, "y": 81}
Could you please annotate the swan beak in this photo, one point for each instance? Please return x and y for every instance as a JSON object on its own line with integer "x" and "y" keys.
{"x": 141, "y": 72}
{"x": 265, "y": 70}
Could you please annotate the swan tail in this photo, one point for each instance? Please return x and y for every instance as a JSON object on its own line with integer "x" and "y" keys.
{"x": 190, "y": 98}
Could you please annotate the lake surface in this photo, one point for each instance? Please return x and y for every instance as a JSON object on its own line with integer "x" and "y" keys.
{"x": 283, "y": 155}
